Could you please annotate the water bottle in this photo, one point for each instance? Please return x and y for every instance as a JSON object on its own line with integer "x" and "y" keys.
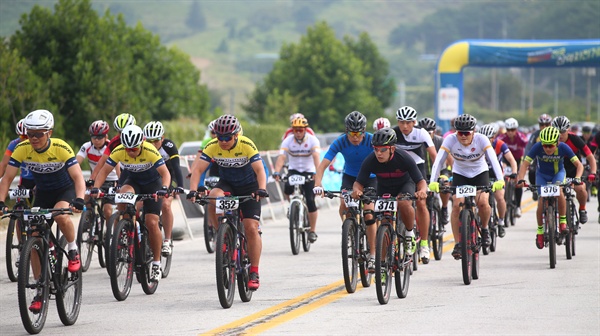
{"x": 52, "y": 253}
{"x": 139, "y": 233}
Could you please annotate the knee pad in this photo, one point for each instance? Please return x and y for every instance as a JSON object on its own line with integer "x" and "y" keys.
{"x": 369, "y": 221}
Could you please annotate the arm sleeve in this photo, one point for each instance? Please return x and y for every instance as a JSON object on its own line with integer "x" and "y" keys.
{"x": 491, "y": 155}
{"x": 178, "y": 178}
{"x": 437, "y": 164}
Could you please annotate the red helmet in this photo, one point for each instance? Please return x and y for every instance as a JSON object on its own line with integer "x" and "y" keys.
{"x": 99, "y": 127}
{"x": 227, "y": 124}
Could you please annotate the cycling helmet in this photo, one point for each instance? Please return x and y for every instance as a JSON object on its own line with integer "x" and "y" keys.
{"x": 544, "y": 119}
{"x": 123, "y": 120}
{"x": 300, "y": 122}
{"x": 586, "y": 129}
{"x": 20, "y": 127}
{"x": 562, "y": 123}
{"x": 406, "y": 113}
{"x": 99, "y": 127}
{"x": 380, "y": 123}
{"x": 154, "y": 130}
{"x": 384, "y": 137}
{"x": 227, "y": 124}
{"x": 296, "y": 115}
{"x": 428, "y": 124}
{"x": 39, "y": 120}
{"x": 132, "y": 136}
{"x": 489, "y": 130}
{"x": 549, "y": 135}
{"x": 211, "y": 126}
{"x": 511, "y": 123}
{"x": 465, "y": 122}
{"x": 355, "y": 122}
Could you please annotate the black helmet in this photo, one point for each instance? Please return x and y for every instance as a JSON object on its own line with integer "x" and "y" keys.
{"x": 355, "y": 122}
{"x": 428, "y": 124}
{"x": 465, "y": 122}
{"x": 384, "y": 137}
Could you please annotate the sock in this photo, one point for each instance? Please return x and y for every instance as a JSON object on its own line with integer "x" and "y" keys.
{"x": 410, "y": 233}
{"x": 582, "y": 207}
{"x": 254, "y": 269}
{"x": 72, "y": 246}
{"x": 156, "y": 263}
{"x": 563, "y": 220}
{"x": 424, "y": 242}
{"x": 501, "y": 221}
{"x": 540, "y": 230}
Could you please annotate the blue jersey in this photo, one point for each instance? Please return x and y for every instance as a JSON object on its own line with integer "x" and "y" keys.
{"x": 25, "y": 173}
{"x": 553, "y": 163}
{"x": 353, "y": 155}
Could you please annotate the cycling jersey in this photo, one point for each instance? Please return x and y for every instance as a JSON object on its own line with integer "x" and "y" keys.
{"x": 353, "y": 154}
{"x": 168, "y": 151}
{"x": 300, "y": 154}
{"x": 93, "y": 154}
{"x": 500, "y": 148}
{"x": 392, "y": 174}
{"x": 413, "y": 142}
{"x": 579, "y": 148}
{"x": 437, "y": 143}
{"x": 516, "y": 145}
{"x": 469, "y": 160}
{"x": 142, "y": 168}
{"x": 49, "y": 167}
{"x": 25, "y": 173}
{"x": 235, "y": 165}
{"x": 550, "y": 164}
{"x": 291, "y": 130}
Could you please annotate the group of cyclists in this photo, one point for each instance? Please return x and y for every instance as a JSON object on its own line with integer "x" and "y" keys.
{"x": 409, "y": 157}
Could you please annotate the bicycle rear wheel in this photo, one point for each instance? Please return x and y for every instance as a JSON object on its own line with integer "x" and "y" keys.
{"x": 100, "y": 229}
{"x": 384, "y": 256}
{"x": 68, "y": 293}
{"x": 85, "y": 240}
{"x": 108, "y": 233}
{"x": 349, "y": 256}
{"x": 145, "y": 257}
{"x": 165, "y": 262}
{"x": 122, "y": 258}
{"x": 295, "y": 227}
{"x": 225, "y": 264}
{"x": 569, "y": 237}
{"x": 30, "y": 288}
{"x": 476, "y": 243}
{"x": 465, "y": 242}
{"x": 13, "y": 247}
{"x": 403, "y": 272}
{"x": 436, "y": 233}
{"x": 209, "y": 232}
{"x": 363, "y": 245}
{"x": 244, "y": 275}
{"x": 306, "y": 229}
{"x": 551, "y": 234}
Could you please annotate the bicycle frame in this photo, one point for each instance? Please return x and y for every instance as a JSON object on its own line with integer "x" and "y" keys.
{"x": 299, "y": 222}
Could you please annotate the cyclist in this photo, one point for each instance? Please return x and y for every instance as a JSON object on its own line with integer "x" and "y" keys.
{"x": 355, "y": 146}
{"x": 516, "y": 142}
{"x": 302, "y": 150}
{"x": 412, "y": 139}
{"x": 147, "y": 175}
{"x": 26, "y": 177}
{"x": 588, "y": 138}
{"x": 502, "y": 152}
{"x": 397, "y": 174}
{"x": 380, "y": 123}
{"x": 241, "y": 172}
{"x": 543, "y": 121}
{"x": 92, "y": 151}
{"x": 121, "y": 121}
{"x": 430, "y": 126}
{"x": 550, "y": 155}
{"x": 154, "y": 132}
{"x": 578, "y": 147}
{"x": 58, "y": 179}
{"x": 469, "y": 150}
{"x": 290, "y": 130}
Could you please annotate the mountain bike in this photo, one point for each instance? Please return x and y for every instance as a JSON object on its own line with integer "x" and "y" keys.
{"x": 298, "y": 213}
{"x": 436, "y": 227}
{"x": 43, "y": 271}
{"x": 511, "y": 203}
{"x": 91, "y": 232}
{"x": 16, "y": 234}
{"x": 355, "y": 248}
{"x": 492, "y": 224}
{"x": 232, "y": 260}
{"x": 209, "y": 230}
{"x": 572, "y": 219}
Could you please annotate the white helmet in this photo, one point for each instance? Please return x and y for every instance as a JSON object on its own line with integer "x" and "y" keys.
{"x": 380, "y": 123}
{"x": 20, "y": 127}
{"x": 132, "y": 136}
{"x": 511, "y": 123}
{"x": 154, "y": 130}
{"x": 406, "y": 113}
{"x": 489, "y": 130}
{"x": 39, "y": 120}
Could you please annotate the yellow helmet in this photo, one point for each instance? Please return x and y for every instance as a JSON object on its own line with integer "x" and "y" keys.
{"x": 549, "y": 135}
{"x": 300, "y": 122}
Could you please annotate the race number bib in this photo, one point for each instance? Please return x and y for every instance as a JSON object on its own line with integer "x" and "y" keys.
{"x": 36, "y": 215}
{"x": 382, "y": 205}
{"x": 226, "y": 204}
{"x": 465, "y": 190}
{"x": 19, "y": 193}
{"x": 550, "y": 191}
{"x": 349, "y": 201}
{"x": 296, "y": 180}
{"x": 127, "y": 198}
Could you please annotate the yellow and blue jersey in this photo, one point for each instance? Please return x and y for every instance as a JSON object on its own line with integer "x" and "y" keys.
{"x": 142, "y": 168}
{"x": 553, "y": 163}
{"x": 235, "y": 165}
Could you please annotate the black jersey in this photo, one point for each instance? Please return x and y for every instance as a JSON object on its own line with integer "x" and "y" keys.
{"x": 394, "y": 173}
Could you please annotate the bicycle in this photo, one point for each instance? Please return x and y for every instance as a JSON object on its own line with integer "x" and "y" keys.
{"x": 298, "y": 213}
{"x": 391, "y": 258}
{"x": 470, "y": 229}
{"x": 436, "y": 228}
{"x": 130, "y": 248}
{"x": 16, "y": 234}
{"x": 209, "y": 230}
{"x": 166, "y": 260}
{"x": 52, "y": 278}
{"x": 492, "y": 224}
{"x": 509, "y": 198}
{"x": 91, "y": 233}
{"x": 355, "y": 249}
{"x": 232, "y": 260}
{"x": 572, "y": 219}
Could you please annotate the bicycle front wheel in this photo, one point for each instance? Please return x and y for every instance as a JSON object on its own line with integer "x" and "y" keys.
{"x": 122, "y": 257}
{"x": 570, "y": 236}
{"x": 384, "y": 256}
{"x": 295, "y": 227}
{"x": 306, "y": 229}
{"x": 108, "y": 233}
{"x": 209, "y": 232}
{"x": 349, "y": 255}
{"x": 403, "y": 272}
{"x": 85, "y": 240}
{"x": 225, "y": 264}
{"x": 68, "y": 292}
{"x": 100, "y": 229}
{"x": 551, "y": 234}
{"x": 30, "y": 289}
{"x": 13, "y": 247}
{"x": 466, "y": 250}
{"x": 436, "y": 232}
{"x": 145, "y": 257}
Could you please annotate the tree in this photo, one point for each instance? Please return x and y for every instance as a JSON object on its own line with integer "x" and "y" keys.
{"x": 196, "y": 20}
{"x": 319, "y": 77}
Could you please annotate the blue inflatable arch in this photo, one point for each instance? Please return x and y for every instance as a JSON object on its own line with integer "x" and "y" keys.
{"x": 502, "y": 53}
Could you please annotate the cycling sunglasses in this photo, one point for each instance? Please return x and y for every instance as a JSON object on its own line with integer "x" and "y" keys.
{"x": 356, "y": 134}
{"x": 381, "y": 149}
{"x": 467, "y": 133}
{"x": 37, "y": 135}
{"x": 225, "y": 138}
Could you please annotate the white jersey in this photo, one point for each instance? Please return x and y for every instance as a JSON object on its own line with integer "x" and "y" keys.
{"x": 413, "y": 143}
{"x": 469, "y": 161}
{"x": 88, "y": 151}
{"x": 300, "y": 154}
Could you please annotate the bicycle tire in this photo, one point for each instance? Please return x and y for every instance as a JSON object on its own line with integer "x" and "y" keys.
{"x": 225, "y": 265}
{"x": 575, "y": 227}
{"x": 349, "y": 255}
{"x": 466, "y": 251}
{"x": 122, "y": 259}
{"x": 569, "y": 236}
{"x": 365, "y": 277}
{"x": 108, "y": 233}
{"x": 33, "y": 322}
{"x": 244, "y": 274}
{"x": 294, "y": 227}
{"x": 85, "y": 241}
{"x": 551, "y": 230}
{"x": 493, "y": 228}
{"x": 13, "y": 248}
{"x": 436, "y": 233}
{"x": 69, "y": 289}
{"x": 100, "y": 243}
{"x": 165, "y": 262}
{"x": 476, "y": 243}
{"x": 383, "y": 263}
{"x": 306, "y": 229}
{"x": 403, "y": 271}
{"x": 209, "y": 232}
{"x": 145, "y": 258}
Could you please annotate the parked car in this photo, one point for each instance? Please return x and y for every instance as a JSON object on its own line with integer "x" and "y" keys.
{"x": 189, "y": 148}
